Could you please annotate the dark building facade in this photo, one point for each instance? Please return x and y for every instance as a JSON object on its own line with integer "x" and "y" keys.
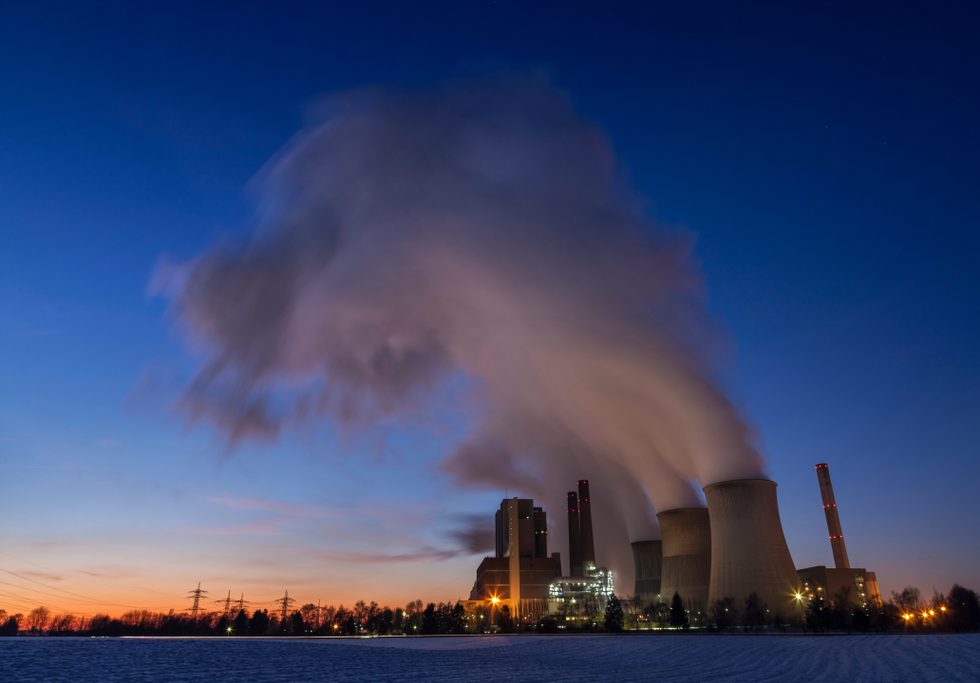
{"x": 521, "y": 525}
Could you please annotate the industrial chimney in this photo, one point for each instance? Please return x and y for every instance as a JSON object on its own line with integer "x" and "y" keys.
{"x": 647, "y": 564}
{"x": 585, "y": 523}
{"x": 748, "y": 549}
{"x": 574, "y": 537}
{"x": 686, "y": 569}
{"x": 833, "y": 519}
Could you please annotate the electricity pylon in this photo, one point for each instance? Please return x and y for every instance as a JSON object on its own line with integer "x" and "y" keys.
{"x": 196, "y": 594}
{"x": 242, "y": 602}
{"x": 286, "y": 603}
{"x": 226, "y": 602}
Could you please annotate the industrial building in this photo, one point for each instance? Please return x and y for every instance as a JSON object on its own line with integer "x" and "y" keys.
{"x": 521, "y": 572}
{"x": 732, "y": 548}
{"x": 648, "y": 570}
{"x": 825, "y": 582}
{"x": 686, "y": 534}
{"x": 587, "y": 587}
{"x": 748, "y": 549}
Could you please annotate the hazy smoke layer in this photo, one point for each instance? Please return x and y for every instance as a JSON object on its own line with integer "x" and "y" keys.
{"x": 473, "y": 229}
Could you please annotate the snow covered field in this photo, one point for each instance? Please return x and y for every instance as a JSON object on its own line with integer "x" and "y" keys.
{"x": 923, "y": 659}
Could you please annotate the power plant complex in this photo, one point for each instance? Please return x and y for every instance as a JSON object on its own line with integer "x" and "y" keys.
{"x": 523, "y": 576}
{"x": 731, "y": 549}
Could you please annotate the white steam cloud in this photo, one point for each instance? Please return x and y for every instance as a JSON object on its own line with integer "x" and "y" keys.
{"x": 475, "y": 228}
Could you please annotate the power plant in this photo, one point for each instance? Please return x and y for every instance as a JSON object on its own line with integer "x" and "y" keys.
{"x": 733, "y": 548}
{"x": 648, "y": 569}
{"x": 521, "y": 572}
{"x": 686, "y": 534}
{"x": 523, "y": 576}
{"x": 748, "y": 549}
{"x": 586, "y": 588}
{"x": 828, "y": 583}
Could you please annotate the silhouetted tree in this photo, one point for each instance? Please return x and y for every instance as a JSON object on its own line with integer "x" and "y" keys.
{"x": 399, "y": 621}
{"x": 457, "y": 618}
{"x": 817, "y": 614}
{"x": 861, "y": 621}
{"x": 755, "y": 611}
{"x": 964, "y": 608}
{"x": 259, "y": 625}
{"x": 505, "y": 620}
{"x": 678, "y": 616}
{"x": 724, "y": 613}
{"x": 614, "y": 615}
{"x": 840, "y": 615}
{"x": 311, "y": 616}
{"x": 9, "y": 624}
{"x": 632, "y": 609}
{"x": 908, "y": 601}
{"x": 240, "y": 625}
{"x": 37, "y": 619}
{"x": 430, "y": 620}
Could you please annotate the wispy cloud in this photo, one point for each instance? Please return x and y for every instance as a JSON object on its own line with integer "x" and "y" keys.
{"x": 290, "y": 510}
{"x": 46, "y": 576}
{"x": 245, "y": 530}
{"x": 425, "y": 555}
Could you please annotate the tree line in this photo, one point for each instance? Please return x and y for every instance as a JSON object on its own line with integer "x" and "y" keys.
{"x": 361, "y": 619}
{"x": 907, "y": 611}
{"x": 954, "y": 612}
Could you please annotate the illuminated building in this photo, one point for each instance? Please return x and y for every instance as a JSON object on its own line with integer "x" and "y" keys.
{"x": 521, "y": 561}
{"x": 826, "y": 582}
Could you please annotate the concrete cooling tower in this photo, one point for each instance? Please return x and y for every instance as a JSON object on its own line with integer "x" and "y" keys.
{"x": 748, "y": 548}
{"x": 647, "y": 563}
{"x": 686, "y": 534}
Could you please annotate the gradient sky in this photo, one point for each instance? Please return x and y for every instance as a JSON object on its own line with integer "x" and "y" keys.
{"x": 826, "y": 157}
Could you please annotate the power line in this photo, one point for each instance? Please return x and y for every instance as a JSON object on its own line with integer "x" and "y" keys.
{"x": 55, "y": 588}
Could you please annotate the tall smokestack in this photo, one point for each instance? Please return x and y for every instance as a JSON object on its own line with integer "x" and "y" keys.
{"x": 574, "y": 537}
{"x": 647, "y": 564}
{"x": 748, "y": 549}
{"x": 833, "y": 519}
{"x": 686, "y": 534}
{"x": 585, "y": 508}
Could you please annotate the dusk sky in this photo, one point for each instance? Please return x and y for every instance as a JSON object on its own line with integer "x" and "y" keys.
{"x": 823, "y": 158}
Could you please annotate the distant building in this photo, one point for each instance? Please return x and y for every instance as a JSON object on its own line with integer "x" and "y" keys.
{"x": 827, "y": 582}
{"x": 521, "y": 572}
{"x": 587, "y": 587}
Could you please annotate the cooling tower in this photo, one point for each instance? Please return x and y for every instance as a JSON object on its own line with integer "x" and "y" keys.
{"x": 574, "y": 537}
{"x": 647, "y": 563}
{"x": 833, "y": 519}
{"x": 686, "y": 569}
{"x": 585, "y": 524}
{"x": 748, "y": 548}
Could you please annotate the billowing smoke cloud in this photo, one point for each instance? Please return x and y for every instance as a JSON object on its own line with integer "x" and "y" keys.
{"x": 478, "y": 230}
{"x": 476, "y": 535}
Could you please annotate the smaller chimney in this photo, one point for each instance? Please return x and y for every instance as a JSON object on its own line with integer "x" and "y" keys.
{"x": 833, "y": 519}
{"x": 585, "y": 522}
{"x": 574, "y": 537}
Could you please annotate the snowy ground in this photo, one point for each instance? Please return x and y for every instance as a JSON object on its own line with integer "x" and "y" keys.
{"x": 922, "y": 659}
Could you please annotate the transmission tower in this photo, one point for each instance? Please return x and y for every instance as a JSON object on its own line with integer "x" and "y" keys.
{"x": 241, "y": 604}
{"x": 286, "y": 603}
{"x": 196, "y": 594}
{"x": 226, "y": 602}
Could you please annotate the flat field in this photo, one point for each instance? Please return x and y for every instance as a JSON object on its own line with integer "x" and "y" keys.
{"x": 622, "y": 659}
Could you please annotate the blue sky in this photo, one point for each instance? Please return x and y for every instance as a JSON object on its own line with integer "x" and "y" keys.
{"x": 825, "y": 156}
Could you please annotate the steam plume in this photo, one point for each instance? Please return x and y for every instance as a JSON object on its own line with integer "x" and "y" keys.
{"x": 476, "y": 229}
